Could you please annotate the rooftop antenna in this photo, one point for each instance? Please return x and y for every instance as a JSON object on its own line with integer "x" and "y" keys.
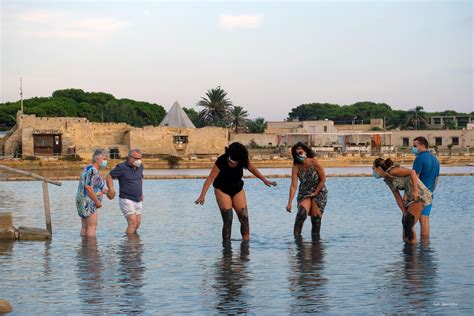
{"x": 21, "y": 95}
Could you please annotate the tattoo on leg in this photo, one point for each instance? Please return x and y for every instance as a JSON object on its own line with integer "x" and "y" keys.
{"x": 300, "y": 218}
{"x": 227, "y": 216}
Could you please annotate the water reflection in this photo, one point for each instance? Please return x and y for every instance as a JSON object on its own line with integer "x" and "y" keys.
{"x": 307, "y": 283}
{"x": 6, "y": 247}
{"x": 89, "y": 275}
{"x": 131, "y": 270}
{"x": 47, "y": 258}
{"x": 413, "y": 279}
{"x": 231, "y": 277}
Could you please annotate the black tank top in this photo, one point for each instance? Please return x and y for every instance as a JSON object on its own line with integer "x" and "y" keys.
{"x": 228, "y": 178}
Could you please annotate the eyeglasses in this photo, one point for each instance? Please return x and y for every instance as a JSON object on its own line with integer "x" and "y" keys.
{"x": 136, "y": 158}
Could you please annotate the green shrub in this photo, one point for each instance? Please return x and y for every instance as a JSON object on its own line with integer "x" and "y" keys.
{"x": 173, "y": 161}
{"x": 71, "y": 158}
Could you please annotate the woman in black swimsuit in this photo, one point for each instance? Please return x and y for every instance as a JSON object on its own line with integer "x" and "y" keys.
{"x": 226, "y": 177}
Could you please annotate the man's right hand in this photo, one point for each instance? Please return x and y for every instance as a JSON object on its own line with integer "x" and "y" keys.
{"x": 111, "y": 194}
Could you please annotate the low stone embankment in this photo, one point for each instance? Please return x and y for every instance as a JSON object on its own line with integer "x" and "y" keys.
{"x": 10, "y": 233}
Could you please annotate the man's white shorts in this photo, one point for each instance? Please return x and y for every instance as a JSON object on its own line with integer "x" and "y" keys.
{"x": 130, "y": 207}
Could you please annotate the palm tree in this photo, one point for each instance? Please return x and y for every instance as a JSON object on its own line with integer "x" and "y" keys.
{"x": 416, "y": 117}
{"x": 258, "y": 125}
{"x": 216, "y": 107}
{"x": 238, "y": 117}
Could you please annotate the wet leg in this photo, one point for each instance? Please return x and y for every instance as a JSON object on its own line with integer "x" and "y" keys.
{"x": 239, "y": 202}
{"x": 224, "y": 202}
{"x": 301, "y": 217}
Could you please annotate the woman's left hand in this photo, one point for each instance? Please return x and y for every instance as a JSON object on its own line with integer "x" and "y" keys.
{"x": 270, "y": 183}
{"x": 416, "y": 195}
{"x": 312, "y": 195}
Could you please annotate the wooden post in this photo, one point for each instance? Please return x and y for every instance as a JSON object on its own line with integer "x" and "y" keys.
{"x": 47, "y": 210}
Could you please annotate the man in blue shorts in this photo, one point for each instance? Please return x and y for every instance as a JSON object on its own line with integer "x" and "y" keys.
{"x": 130, "y": 176}
{"x": 426, "y": 166}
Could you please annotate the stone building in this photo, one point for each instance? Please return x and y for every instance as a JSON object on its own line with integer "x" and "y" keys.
{"x": 58, "y": 136}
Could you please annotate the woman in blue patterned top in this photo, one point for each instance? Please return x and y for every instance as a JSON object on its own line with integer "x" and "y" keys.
{"x": 90, "y": 192}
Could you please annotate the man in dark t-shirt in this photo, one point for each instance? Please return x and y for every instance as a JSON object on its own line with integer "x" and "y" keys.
{"x": 130, "y": 176}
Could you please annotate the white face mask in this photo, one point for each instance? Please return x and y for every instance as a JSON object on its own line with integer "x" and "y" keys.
{"x": 137, "y": 163}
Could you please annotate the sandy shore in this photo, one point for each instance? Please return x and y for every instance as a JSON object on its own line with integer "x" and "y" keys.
{"x": 41, "y": 166}
{"x": 341, "y": 161}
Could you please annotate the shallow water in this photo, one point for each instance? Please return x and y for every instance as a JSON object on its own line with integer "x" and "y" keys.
{"x": 178, "y": 263}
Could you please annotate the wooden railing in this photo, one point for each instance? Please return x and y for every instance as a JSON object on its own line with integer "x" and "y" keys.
{"x": 47, "y": 210}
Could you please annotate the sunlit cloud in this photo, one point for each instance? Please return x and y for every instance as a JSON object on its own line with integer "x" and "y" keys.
{"x": 44, "y": 24}
{"x": 99, "y": 24}
{"x": 41, "y": 16}
{"x": 240, "y": 21}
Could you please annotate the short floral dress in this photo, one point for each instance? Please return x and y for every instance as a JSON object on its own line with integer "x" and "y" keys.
{"x": 89, "y": 177}
{"x": 404, "y": 184}
{"x": 309, "y": 180}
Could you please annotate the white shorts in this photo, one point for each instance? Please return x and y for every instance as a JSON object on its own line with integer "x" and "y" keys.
{"x": 130, "y": 207}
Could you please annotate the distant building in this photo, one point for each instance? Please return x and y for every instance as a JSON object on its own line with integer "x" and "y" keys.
{"x": 441, "y": 122}
{"x": 58, "y": 136}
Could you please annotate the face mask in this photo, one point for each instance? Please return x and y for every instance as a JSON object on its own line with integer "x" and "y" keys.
{"x": 137, "y": 163}
{"x": 375, "y": 175}
{"x": 415, "y": 150}
{"x": 232, "y": 161}
{"x": 301, "y": 158}
{"x": 103, "y": 164}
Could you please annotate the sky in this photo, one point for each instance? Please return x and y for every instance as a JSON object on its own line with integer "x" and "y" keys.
{"x": 269, "y": 56}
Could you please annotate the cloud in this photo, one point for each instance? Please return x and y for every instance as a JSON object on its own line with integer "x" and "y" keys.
{"x": 99, "y": 24}
{"x": 44, "y": 24}
{"x": 240, "y": 21}
{"x": 41, "y": 16}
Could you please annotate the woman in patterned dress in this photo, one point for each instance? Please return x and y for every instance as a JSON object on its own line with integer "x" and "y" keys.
{"x": 312, "y": 192}
{"x": 90, "y": 192}
{"x": 416, "y": 194}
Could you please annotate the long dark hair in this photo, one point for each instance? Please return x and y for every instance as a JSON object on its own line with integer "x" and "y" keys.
{"x": 238, "y": 152}
{"x": 384, "y": 164}
{"x": 309, "y": 152}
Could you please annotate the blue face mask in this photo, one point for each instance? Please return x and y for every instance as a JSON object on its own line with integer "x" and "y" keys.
{"x": 375, "y": 175}
{"x": 415, "y": 150}
{"x": 301, "y": 158}
{"x": 103, "y": 164}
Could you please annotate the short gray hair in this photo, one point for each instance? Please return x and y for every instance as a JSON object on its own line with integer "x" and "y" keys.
{"x": 97, "y": 153}
{"x": 135, "y": 150}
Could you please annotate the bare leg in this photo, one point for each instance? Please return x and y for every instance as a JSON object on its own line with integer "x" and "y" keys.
{"x": 133, "y": 222}
{"x": 424, "y": 226}
{"x": 91, "y": 224}
{"x": 84, "y": 227}
{"x": 224, "y": 202}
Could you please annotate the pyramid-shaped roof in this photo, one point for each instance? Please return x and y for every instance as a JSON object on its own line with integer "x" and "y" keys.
{"x": 176, "y": 117}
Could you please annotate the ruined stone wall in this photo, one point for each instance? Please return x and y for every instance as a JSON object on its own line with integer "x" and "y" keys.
{"x": 11, "y": 143}
{"x": 75, "y": 132}
{"x": 85, "y": 137}
{"x": 159, "y": 140}
{"x": 207, "y": 141}
{"x": 266, "y": 139}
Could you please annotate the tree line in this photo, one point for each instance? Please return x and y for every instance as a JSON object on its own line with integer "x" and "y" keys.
{"x": 216, "y": 110}
{"x": 363, "y": 112}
